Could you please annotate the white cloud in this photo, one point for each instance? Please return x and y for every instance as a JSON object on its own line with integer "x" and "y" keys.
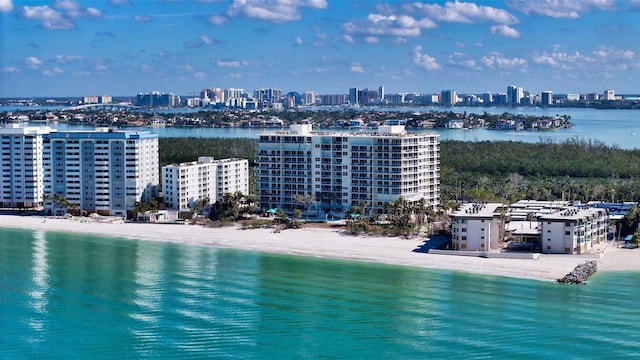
{"x": 60, "y": 18}
{"x": 205, "y": 39}
{"x": 51, "y": 19}
{"x": 6, "y": 6}
{"x": 371, "y": 40}
{"x": 608, "y": 54}
{"x": 11, "y": 69}
{"x": 356, "y": 68}
{"x": 347, "y": 38}
{"x": 66, "y": 58}
{"x": 55, "y": 71}
{"x": 142, "y": 18}
{"x": 275, "y": 10}
{"x": 463, "y": 12}
{"x": 603, "y": 57}
{"x": 119, "y": 2}
{"x": 32, "y": 61}
{"x": 321, "y": 70}
{"x": 499, "y": 61}
{"x": 235, "y": 75}
{"x": 73, "y": 9}
{"x": 387, "y": 25}
{"x": 200, "y": 75}
{"x": 231, "y": 63}
{"x": 93, "y": 12}
{"x": 461, "y": 60}
{"x": 217, "y": 19}
{"x": 572, "y": 9}
{"x": 400, "y": 40}
{"x": 424, "y": 60}
{"x": 504, "y": 30}
{"x": 298, "y": 41}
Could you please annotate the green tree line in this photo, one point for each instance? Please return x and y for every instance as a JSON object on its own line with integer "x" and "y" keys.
{"x": 184, "y": 149}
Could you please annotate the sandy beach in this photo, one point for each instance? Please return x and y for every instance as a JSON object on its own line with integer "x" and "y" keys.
{"x": 328, "y": 243}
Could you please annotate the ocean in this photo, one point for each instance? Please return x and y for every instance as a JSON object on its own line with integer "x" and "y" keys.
{"x": 70, "y": 296}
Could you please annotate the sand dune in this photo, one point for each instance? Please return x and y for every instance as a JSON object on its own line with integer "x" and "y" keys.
{"x": 333, "y": 244}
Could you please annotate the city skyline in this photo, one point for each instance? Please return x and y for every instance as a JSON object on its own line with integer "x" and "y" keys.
{"x": 124, "y": 47}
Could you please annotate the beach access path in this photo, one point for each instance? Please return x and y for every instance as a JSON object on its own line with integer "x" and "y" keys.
{"x": 331, "y": 243}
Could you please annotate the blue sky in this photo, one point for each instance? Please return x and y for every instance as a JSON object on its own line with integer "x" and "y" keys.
{"x": 124, "y": 47}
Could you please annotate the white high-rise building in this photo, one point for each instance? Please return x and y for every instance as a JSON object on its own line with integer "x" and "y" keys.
{"x": 185, "y": 184}
{"x": 102, "y": 171}
{"x": 514, "y": 94}
{"x": 340, "y": 170}
{"x": 310, "y": 98}
{"x": 21, "y": 166}
{"x": 609, "y": 95}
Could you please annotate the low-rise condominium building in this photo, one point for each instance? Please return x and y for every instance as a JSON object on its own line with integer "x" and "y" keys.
{"x": 185, "y": 184}
{"x": 574, "y": 230}
{"x": 478, "y": 227}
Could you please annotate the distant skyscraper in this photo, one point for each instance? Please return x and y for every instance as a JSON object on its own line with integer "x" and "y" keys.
{"x": 514, "y": 94}
{"x": 547, "y": 98}
{"x": 609, "y": 95}
{"x": 487, "y": 98}
{"x": 309, "y": 98}
{"x": 353, "y": 96}
{"x": 449, "y": 97}
{"x": 381, "y": 93}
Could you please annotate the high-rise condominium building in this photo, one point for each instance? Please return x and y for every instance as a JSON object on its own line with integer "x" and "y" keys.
{"x": 449, "y": 97}
{"x": 22, "y": 166}
{"x": 310, "y": 98}
{"x": 547, "y": 98}
{"x": 609, "y": 95}
{"x": 514, "y": 94}
{"x": 185, "y": 184}
{"x": 340, "y": 170}
{"x": 102, "y": 171}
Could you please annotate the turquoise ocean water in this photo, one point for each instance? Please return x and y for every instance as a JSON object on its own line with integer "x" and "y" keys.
{"x": 69, "y": 296}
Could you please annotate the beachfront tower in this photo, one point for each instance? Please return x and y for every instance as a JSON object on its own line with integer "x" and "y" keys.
{"x": 102, "y": 171}
{"x": 340, "y": 170}
{"x": 21, "y": 166}
{"x": 185, "y": 184}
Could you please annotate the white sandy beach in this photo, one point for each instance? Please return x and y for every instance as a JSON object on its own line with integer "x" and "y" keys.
{"x": 329, "y": 243}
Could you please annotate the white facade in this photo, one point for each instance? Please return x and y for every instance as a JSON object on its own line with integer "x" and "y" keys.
{"x": 340, "y": 170}
{"x": 609, "y": 95}
{"x": 21, "y": 166}
{"x": 573, "y": 230}
{"x": 477, "y": 227}
{"x": 101, "y": 171}
{"x": 186, "y": 183}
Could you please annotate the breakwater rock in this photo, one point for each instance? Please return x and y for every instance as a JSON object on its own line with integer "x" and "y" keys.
{"x": 581, "y": 273}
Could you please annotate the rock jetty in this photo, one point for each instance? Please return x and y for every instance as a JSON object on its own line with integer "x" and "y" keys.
{"x": 581, "y": 273}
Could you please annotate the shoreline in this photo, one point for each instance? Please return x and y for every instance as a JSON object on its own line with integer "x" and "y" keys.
{"x": 332, "y": 244}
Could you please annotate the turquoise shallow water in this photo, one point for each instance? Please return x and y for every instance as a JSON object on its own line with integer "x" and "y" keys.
{"x": 74, "y": 296}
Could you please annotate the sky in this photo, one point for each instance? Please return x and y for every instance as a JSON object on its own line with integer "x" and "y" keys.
{"x": 56, "y": 48}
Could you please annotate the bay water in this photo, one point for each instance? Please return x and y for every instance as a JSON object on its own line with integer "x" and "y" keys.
{"x": 72, "y": 296}
{"x": 612, "y": 127}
